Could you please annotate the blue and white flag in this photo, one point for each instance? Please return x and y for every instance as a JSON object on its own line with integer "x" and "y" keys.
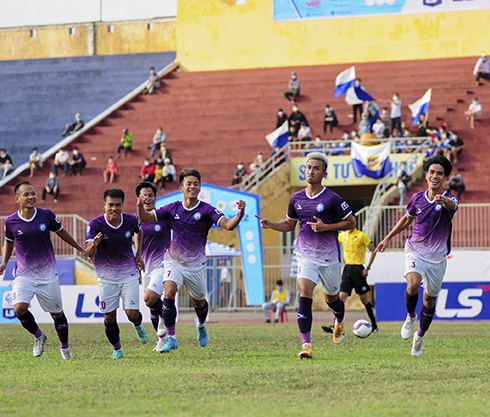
{"x": 345, "y": 83}
{"x": 420, "y": 106}
{"x": 279, "y": 136}
{"x": 371, "y": 161}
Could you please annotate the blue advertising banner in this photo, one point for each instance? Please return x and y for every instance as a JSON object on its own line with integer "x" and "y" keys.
{"x": 456, "y": 301}
{"x": 323, "y": 9}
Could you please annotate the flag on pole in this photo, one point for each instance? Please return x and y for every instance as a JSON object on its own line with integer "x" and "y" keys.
{"x": 345, "y": 80}
{"x": 420, "y": 106}
{"x": 371, "y": 161}
{"x": 279, "y": 136}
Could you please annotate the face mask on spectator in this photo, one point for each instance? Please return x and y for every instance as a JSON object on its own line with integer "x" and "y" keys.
{"x": 239, "y": 166}
{"x": 147, "y": 163}
{"x": 51, "y": 175}
{"x": 75, "y": 152}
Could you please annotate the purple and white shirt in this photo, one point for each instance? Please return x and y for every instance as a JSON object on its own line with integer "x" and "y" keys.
{"x": 321, "y": 248}
{"x": 190, "y": 231}
{"x": 431, "y": 236}
{"x": 114, "y": 260}
{"x": 156, "y": 238}
{"x": 35, "y": 258}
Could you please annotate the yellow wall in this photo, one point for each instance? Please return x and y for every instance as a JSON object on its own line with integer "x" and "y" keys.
{"x": 218, "y": 34}
{"x": 56, "y": 42}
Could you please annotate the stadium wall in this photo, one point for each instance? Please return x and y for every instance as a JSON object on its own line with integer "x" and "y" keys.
{"x": 219, "y": 34}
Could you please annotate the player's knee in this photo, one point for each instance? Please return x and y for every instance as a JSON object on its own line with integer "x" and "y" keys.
{"x": 133, "y": 315}
{"x": 56, "y": 315}
{"x": 21, "y": 309}
{"x": 150, "y": 297}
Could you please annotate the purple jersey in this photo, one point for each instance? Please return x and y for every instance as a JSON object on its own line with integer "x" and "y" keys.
{"x": 190, "y": 231}
{"x": 114, "y": 260}
{"x": 156, "y": 238}
{"x": 321, "y": 248}
{"x": 34, "y": 251}
{"x": 431, "y": 236}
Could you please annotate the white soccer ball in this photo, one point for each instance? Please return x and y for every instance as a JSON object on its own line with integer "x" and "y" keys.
{"x": 362, "y": 328}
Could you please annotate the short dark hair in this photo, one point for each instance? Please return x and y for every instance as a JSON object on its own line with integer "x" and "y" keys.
{"x": 114, "y": 193}
{"x": 189, "y": 172}
{"x": 20, "y": 184}
{"x": 75, "y": 148}
{"x": 3, "y": 150}
{"x": 439, "y": 160}
{"x": 145, "y": 184}
{"x": 279, "y": 282}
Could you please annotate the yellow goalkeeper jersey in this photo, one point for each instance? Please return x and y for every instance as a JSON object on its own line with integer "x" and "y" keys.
{"x": 355, "y": 245}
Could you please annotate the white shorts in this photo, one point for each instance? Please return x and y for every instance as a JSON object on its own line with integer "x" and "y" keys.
{"x": 48, "y": 295}
{"x": 109, "y": 294}
{"x": 432, "y": 273}
{"x": 195, "y": 281}
{"x": 329, "y": 276}
{"x": 154, "y": 280}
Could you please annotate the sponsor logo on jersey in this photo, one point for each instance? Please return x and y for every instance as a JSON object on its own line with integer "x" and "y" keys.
{"x": 299, "y": 207}
{"x": 344, "y": 206}
{"x": 20, "y": 232}
{"x": 177, "y": 217}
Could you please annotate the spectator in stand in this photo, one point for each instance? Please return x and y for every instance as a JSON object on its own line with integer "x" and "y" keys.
{"x": 62, "y": 160}
{"x": 52, "y": 187}
{"x": 329, "y": 119}
{"x": 396, "y": 113}
{"x": 364, "y": 125}
{"x": 354, "y": 136}
{"x": 379, "y": 128}
{"x": 293, "y": 136}
{"x": 474, "y": 112}
{"x": 77, "y": 162}
{"x": 294, "y": 89}
{"x": 126, "y": 143}
{"x": 278, "y": 155}
{"x": 296, "y": 118}
{"x": 423, "y": 126}
{"x": 257, "y": 163}
{"x": 35, "y": 161}
{"x": 73, "y": 127}
{"x": 304, "y": 133}
{"x": 482, "y": 69}
{"x": 357, "y": 107}
{"x": 402, "y": 178}
{"x": 395, "y": 133}
{"x": 385, "y": 117}
{"x": 279, "y": 300}
{"x": 110, "y": 170}
{"x": 239, "y": 175}
{"x": 281, "y": 118}
{"x": 371, "y": 110}
{"x": 169, "y": 173}
{"x": 457, "y": 146}
{"x": 152, "y": 83}
{"x": 317, "y": 146}
{"x": 147, "y": 172}
{"x": 5, "y": 163}
{"x": 224, "y": 283}
{"x": 158, "y": 138}
{"x": 429, "y": 153}
{"x": 163, "y": 154}
{"x": 456, "y": 183}
{"x": 345, "y": 136}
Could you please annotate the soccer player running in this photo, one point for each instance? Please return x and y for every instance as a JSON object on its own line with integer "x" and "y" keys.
{"x": 427, "y": 248}
{"x": 109, "y": 244}
{"x": 321, "y": 213}
{"x": 185, "y": 258}
{"x": 35, "y": 268}
{"x": 354, "y": 274}
{"x": 156, "y": 238}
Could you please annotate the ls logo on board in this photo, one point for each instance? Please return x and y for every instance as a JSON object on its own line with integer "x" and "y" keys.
{"x": 7, "y": 305}
{"x": 432, "y": 3}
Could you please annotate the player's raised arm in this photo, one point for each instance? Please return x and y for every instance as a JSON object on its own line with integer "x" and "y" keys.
{"x": 64, "y": 235}
{"x": 231, "y": 224}
{"x": 402, "y": 224}
{"x": 143, "y": 215}
{"x": 285, "y": 225}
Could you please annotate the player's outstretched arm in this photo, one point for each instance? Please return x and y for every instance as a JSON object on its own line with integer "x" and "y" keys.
{"x": 372, "y": 248}
{"x": 448, "y": 203}
{"x": 231, "y": 224}
{"x": 7, "y": 253}
{"x": 402, "y": 224}
{"x": 138, "y": 240}
{"x": 283, "y": 226}
{"x": 143, "y": 215}
{"x": 64, "y": 235}
{"x": 91, "y": 245}
{"x": 318, "y": 226}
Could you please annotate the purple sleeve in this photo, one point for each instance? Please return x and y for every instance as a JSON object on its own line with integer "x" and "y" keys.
{"x": 411, "y": 209}
{"x": 91, "y": 231}
{"x": 54, "y": 223}
{"x": 137, "y": 225}
{"x": 292, "y": 214}
{"x": 162, "y": 213}
{"x": 342, "y": 209}
{"x": 215, "y": 215}
{"x": 8, "y": 233}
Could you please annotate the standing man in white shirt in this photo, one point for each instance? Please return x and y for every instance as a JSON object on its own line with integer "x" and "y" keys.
{"x": 396, "y": 112}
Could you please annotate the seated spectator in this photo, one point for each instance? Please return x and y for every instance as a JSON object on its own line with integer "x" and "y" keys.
{"x": 35, "y": 161}
{"x": 317, "y": 146}
{"x": 456, "y": 183}
{"x": 304, "y": 133}
{"x": 379, "y": 128}
{"x": 345, "y": 136}
{"x": 163, "y": 154}
{"x": 294, "y": 89}
{"x": 364, "y": 125}
{"x": 77, "y": 162}
{"x": 280, "y": 299}
{"x": 406, "y": 133}
{"x": 423, "y": 126}
{"x": 52, "y": 187}
{"x": 457, "y": 146}
{"x": 147, "y": 172}
{"x": 110, "y": 170}
{"x": 474, "y": 112}
{"x": 355, "y": 136}
{"x": 5, "y": 163}
{"x": 239, "y": 174}
{"x": 429, "y": 153}
{"x": 385, "y": 117}
{"x": 395, "y": 133}
{"x": 153, "y": 82}
{"x": 158, "y": 138}
{"x": 329, "y": 119}
{"x": 281, "y": 118}
{"x": 278, "y": 156}
{"x": 126, "y": 143}
{"x": 257, "y": 163}
{"x": 482, "y": 69}
{"x": 74, "y": 127}
{"x": 169, "y": 173}
{"x": 338, "y": 148}
{"x": 61, "y": 160}
{"x": 296, "y": 118}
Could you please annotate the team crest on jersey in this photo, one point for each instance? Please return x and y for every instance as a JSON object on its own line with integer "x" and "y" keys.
{"x": 197, "y": 216}
{"x": 42, "y": 227}
{"x": 127, "y": 234}
{"x": 157, "y": 228}
{"x": 438, "y": 207}
{"x": 320, "y": 207}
